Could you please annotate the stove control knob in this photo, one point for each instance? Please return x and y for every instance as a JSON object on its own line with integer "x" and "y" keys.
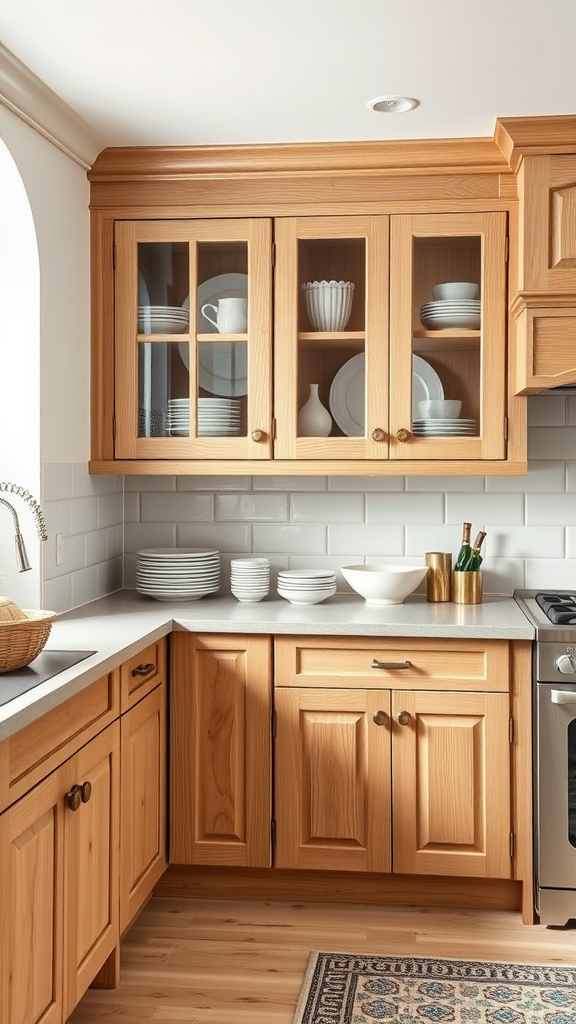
{"x": 566, "y": 664}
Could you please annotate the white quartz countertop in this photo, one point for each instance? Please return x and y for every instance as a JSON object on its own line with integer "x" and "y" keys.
{"x": 119, "y": 626}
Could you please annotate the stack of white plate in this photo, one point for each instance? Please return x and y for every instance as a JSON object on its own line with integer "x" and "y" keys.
{"x": 306, "y": 586}
{"x": 445, "y": 313}
{"x": 177, "y": 574}
{"x": 444, "y": 427}
{"x": 249, "y": 578}
{"x": 217, "y": 417}
{"x": 162, "y": 320}
{"x": 329, "y": 304}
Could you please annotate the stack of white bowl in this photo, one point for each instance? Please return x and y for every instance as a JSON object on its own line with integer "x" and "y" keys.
{"x": 456, "y": 304}
{"x": 217, "y": 417}
{"x": 306, "y": 586}
{"x": 177, "y": 574}
{"x": 329, "y": 304}
{"x": 249, "y": 578}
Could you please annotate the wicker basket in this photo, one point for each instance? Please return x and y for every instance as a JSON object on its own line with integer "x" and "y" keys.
{"x": 22, "y": 640}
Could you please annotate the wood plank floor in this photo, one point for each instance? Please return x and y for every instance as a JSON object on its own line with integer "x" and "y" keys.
{"x": 221, "y": 961}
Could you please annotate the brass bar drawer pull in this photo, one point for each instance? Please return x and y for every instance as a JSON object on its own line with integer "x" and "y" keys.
{"x": 380, "y": 717}
{"x": 144, "y": 670}
{"x": 390, "y": 664}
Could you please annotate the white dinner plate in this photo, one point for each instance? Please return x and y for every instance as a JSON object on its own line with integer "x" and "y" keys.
{"x": 222, "y": 367}
{"x": 347, "y": 399}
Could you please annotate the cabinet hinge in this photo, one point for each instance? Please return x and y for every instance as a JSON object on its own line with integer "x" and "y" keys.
{"x": 114, "y": 427}
{"x": 114, "y": 257}
{"x": 511, "y": 846}
{"x": 511, "y": 730}
{"x": 273, "y": 833}
{"x": 273, "y": 254}
{"x": 505, "y": 428}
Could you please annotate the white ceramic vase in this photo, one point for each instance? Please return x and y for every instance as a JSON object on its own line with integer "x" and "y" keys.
{"x": 314, "y": 420}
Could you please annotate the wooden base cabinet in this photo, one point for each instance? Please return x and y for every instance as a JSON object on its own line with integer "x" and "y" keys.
{"x": 220, "y": 750}
{"x": 413, "y": 781}
{"x": 58, "y": 885}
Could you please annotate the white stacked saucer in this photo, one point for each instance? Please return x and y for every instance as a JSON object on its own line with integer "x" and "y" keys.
{"x": 446, "y": 313}
{"x": 444, "y": 427}
{"x": 306, "y": 586}
{"x": 163, "y": 320}
{"x": 177, "y": 574}
{"x": 249, "y": 578}
{"x": 217, "y": 417}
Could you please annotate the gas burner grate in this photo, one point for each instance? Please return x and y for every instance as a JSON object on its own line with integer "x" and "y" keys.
{"x": 559, "y": 608}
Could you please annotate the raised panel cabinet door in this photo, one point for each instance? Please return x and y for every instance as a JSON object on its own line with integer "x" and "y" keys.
{"x": 91, "y": 928}
{"x": 220, "y": 750}
{"x": 332, "y": 772}
{"x": 31, "y": 897}
{"x": 547, "y": 188}
{"x": 143, "y": 802}
{"x": 451, "y": 784}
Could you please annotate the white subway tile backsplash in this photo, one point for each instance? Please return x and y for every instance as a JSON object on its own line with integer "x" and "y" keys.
{"x": 289, "y": 483}
{"x": 150, "y": 483}
{"x": 110, "y": 509}
{"x": 212, "y": 483}
{"x": 57, "y": 594}
{"x": 84, "y": 586}
{"x": 184, "y": 507}
{"x": 524, "y": 541}
{"x": 485, "y": 508}
{"x": 327, "y": 508}
{"x": 503, "y": 575}
{"x": 363, "y": 539}
{"x": 96, "y": 547}
{"x": 56, "y": 482}
{"x": 438, "y": 484}
{"x": 291, "y": 538}
{"x": 541, "y": 511}
{"x": 132, "y": 506}
{"x": 546, "y": 477}
{"x": 444, "y": 537}
{"x": 547, "y": 411}
{"x": 545, "y": 573}
{"x": 551, "y": 442}
{"x": 149, "y": 535}
{"x": 228, "y": 537}
{"x": 257, "y": 508}
{"x": 405, "y": 508}
{"x": 363, "y": 484}
{"x": 83, "y": 515}
{"x": 114, "y": 542}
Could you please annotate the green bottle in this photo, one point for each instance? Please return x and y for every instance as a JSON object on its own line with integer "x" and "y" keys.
{"x": 475, "y": 560}
{"x": 465, "y": 550}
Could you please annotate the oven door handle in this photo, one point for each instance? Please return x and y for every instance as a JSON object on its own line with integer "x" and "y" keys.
{"x": 563, "y": 696}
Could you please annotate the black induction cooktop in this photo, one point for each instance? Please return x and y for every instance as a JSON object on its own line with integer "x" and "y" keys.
{"x": 45, "y": 666}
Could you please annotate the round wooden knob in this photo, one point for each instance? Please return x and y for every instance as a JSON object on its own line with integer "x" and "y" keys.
{"x": 378, "y": 434}
{"x": 258, "y": 435}
{"x": 85, "y": 792}
{"x": 74, "y": 798}
{"x": 404, "y": 718}
{"x": 379, "y": 717}
{"x": 403, "y": 434}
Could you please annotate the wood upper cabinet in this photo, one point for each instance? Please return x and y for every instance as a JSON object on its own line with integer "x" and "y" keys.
{"x": 220, "y": 750}
{"x": 58, "y": 884}
{"x": 412, "y": 779}
{"x": 193, "y": 308}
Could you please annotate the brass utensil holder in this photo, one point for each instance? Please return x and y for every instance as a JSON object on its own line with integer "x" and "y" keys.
{"x": 438, "y": 579}
{"x": 467, "y": 587}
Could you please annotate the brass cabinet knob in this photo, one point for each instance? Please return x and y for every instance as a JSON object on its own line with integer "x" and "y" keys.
{"x": 379, "y": 717}
{"x": 378, "y": 434}
{"x": 258, "y": 435}
{"x": 85, "y": 792}
{"x": 404, "y": 718}
{"x": 143, "y": 670}
{"x": 403, "y": 434}
{"x": 74, "y": 798}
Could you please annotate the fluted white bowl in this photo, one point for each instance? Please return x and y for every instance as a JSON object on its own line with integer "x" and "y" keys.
{"x": 384, "y": 584}
{"x": 329, "y": 304}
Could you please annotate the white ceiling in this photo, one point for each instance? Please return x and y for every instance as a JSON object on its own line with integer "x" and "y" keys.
{"x": 199, "y": 72}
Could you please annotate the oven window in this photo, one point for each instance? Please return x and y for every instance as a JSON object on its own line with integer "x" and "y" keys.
{"x": 572, "y": 782}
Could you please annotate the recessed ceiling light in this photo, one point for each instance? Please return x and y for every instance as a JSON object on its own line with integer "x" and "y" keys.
{"x": 393, "y": 104}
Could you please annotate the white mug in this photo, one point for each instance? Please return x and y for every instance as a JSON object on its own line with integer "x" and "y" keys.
{"x": 231, "y": 315}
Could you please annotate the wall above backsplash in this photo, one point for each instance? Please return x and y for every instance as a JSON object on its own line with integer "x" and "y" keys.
{"x": 326, "y": 522}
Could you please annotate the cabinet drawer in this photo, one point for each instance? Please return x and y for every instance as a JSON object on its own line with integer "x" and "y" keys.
{"x": 140, "y": 674}
{"x": 412, "y": 664}
{"x": 30, "y": 754}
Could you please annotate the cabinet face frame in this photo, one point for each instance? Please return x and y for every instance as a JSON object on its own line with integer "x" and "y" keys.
{"x": 256, "y": 234}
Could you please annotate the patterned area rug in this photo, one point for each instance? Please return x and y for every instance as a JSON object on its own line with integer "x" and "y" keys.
{"x": 341, "y": 988}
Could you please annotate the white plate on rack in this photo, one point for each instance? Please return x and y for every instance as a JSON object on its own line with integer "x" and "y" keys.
{"x": 347, "y": 392}
{"x": 222, "y": 367}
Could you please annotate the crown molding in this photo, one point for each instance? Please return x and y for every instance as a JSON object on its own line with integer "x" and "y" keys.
{"x": 29, "y": 98}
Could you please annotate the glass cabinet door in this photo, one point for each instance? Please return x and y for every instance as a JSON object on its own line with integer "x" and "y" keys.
{"x": 447, "y": 336}
{"x": 331, "y": 338}
{"x": 193, "y": 305}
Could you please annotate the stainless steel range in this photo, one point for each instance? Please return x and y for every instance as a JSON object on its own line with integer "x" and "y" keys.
{"x": 553, "y": 613}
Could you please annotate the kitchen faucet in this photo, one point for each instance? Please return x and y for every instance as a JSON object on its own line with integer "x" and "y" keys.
{"x": 22, "y": 562}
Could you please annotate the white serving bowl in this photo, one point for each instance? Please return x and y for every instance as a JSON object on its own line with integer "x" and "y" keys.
{"x": 440, "y": 409}
{"x": 306, "y": 596}
{"x": 329, "y": 304}
{"x": 384, "y": 584}
{"x": 456, "y": 290}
